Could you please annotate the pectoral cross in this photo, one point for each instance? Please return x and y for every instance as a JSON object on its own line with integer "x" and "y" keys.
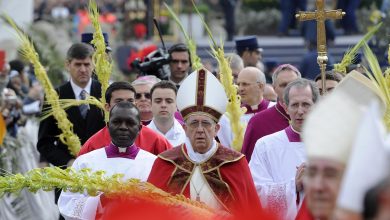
{"x": 320, "y": 15}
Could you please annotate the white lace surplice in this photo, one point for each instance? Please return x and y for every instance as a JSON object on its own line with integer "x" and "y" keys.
{"x": 273, "y": 166}
{"x": 82, "y": 206}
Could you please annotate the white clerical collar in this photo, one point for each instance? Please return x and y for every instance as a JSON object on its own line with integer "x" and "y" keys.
{"x": 197, "y": 157}
{"x": 77, "y": 89}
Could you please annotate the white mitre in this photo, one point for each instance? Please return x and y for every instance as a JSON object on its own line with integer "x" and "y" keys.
{"x": 201, "y": 92}
{"x": 330, "y": 129}
{"x": 369, "y": 161}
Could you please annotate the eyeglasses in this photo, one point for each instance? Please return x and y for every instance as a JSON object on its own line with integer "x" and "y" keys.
{"x": 146, "y": 95}
{"x": 204, "y": 124}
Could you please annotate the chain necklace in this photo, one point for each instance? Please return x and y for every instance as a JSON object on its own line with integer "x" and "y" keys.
{"x": 198, "y": 192}
{"x": 280, "y": 112}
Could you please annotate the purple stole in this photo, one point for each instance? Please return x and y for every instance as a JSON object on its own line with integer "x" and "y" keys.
{"x": 112, "y": 151}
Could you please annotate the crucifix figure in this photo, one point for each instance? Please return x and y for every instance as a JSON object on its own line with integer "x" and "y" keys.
{"x": 320, "y": 14}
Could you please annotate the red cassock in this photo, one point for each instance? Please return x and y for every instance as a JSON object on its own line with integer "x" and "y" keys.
{"x": 304, "y": 213}
{"x": 147, "y": 140}
{"x": 227, "y": 173}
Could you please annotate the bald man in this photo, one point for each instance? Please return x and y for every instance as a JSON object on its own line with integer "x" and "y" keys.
{"x": 251, "y": 84}
{"x": 269, "y": 93}
{"x": 236, "y": 64}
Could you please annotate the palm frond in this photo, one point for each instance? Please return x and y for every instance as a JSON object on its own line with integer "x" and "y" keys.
{"x": 195, "y": 59}
{"x": 103, "y": 65}
{"x": 68, "y": 103}
{"x": 29, "y": 53}
{"x": 350, "y": 55}
{"x": 380, "y": 80}
{"x": 233, "y": 109}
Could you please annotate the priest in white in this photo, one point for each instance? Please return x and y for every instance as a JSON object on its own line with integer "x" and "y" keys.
{"x": 163, "y": 96}
{"x": 120, "y": 157}
{"x": 278, "y": 160}
{"x": 251, "y": 83}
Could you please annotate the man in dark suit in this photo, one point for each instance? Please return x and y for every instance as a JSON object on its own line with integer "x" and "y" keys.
{"x": 87, "y": 120}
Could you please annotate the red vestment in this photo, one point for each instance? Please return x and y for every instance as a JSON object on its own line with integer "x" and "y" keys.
{"x": 147, "y": 140}
{"x": 226, "y": 172}
{"x": 304, "y": 212}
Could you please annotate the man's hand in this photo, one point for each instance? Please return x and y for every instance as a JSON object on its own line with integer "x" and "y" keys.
{"x": 299, "y": 177}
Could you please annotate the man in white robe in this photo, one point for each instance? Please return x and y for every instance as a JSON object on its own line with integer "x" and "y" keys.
{"x": 121, "y": 156}
{"x": 251, "y": 83}
{"x": 163, "y": 96}
{"x": 277, "y": 163}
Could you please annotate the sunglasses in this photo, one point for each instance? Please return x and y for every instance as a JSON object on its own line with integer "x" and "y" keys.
{"x": 146, "y": 95}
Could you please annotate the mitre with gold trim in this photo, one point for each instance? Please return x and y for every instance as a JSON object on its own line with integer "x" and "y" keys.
{"x": 201, "y": 92}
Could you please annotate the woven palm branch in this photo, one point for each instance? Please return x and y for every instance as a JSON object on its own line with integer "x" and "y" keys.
{"x": 103, "y": 65}
{"x": 195, "y": 59}
{"x": 29, "y": 53}
{"x": 233, "y": 109}
{"x": 67, "y": 103}
{"x": 381, "y": 81}
{"x": 350, "y": 55}
{"x": 96, "y": 182}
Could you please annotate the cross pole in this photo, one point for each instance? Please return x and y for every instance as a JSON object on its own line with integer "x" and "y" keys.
{"x": 320, "y": 15}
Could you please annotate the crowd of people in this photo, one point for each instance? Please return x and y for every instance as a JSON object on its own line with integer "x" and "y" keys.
{"x": 47, "y": 9}
{"x": 176, "y": 134}
{"x": 22, "y": 95}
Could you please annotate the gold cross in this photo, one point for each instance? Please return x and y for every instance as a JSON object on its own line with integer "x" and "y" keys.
{"x": 320, "y": 15}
